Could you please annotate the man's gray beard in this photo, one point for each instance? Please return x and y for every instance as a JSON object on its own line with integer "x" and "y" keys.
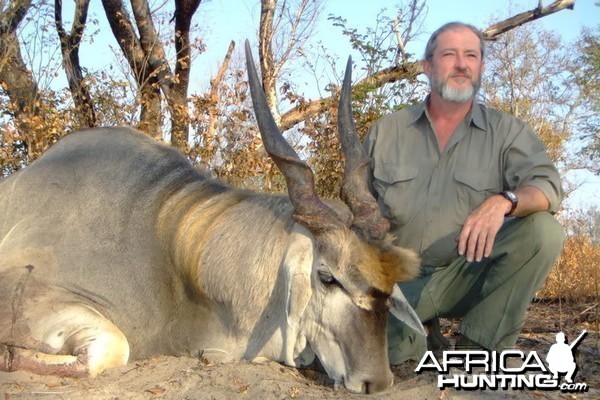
{"x": 453, "y": 94}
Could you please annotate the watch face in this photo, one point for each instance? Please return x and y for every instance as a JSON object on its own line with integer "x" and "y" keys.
{"x": 511, "y": 196}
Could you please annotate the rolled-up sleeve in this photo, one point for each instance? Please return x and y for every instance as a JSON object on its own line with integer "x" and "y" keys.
{"x": 527, "y": 164}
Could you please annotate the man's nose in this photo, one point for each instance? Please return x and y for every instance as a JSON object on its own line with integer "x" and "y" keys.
{"x": 461, "y": 62}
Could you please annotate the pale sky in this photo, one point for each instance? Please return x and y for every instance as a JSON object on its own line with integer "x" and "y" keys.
{"x": 224, "y": 20}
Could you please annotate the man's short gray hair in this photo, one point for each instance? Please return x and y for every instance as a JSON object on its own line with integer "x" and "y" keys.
{"x": 432, "y": 42}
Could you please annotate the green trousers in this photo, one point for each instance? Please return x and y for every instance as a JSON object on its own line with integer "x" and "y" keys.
{"x": 491, "y": 296}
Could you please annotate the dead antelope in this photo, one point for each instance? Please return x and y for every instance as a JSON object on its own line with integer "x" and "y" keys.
{"x": 113, "y": 247}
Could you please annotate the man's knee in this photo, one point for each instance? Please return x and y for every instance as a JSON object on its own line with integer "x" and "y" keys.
{"x": 536, "y": 240}
{"x": 543, "y": 232}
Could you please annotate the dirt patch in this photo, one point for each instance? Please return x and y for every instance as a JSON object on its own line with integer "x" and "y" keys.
{"x": 188, "y": 378}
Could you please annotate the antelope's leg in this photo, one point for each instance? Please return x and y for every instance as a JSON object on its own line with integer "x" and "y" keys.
{"x": 16, "y": 358}
{"x": 74, "y": 341}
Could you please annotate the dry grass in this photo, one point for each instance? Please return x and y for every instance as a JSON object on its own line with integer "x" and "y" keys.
{"x": 576, "y": 275}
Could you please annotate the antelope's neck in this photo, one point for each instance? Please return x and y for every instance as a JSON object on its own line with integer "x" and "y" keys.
{"x": 187, "y": 218}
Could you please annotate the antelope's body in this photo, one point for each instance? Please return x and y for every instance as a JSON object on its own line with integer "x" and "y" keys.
{"x": 112, "y": 220}
{"x": 113, "y": 248}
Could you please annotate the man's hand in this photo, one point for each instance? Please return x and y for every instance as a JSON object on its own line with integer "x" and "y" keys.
{"x": 477, "y": 236}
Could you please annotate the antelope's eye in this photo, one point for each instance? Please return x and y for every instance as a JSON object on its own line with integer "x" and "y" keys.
{"x": 326, "y": 278}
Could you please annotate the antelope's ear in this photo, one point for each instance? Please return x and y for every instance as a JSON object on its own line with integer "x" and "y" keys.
{"x": 393, "y": 264}
{"x": 298, "y": 268}
{"x": 401, "y": 309}
{"x": 403, "y": 264}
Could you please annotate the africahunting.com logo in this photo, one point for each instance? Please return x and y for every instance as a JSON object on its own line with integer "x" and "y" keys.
{"x": 509, "y": 369}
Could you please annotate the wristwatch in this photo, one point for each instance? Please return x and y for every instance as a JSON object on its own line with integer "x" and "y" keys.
{"x": 514, "y": 200}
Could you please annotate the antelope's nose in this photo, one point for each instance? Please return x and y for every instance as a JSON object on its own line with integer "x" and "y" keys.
{"x": 378, "y": 385}
{"x": 373, "y": 384}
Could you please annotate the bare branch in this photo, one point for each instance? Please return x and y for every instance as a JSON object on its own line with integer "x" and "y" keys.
{"x": 408, "y": 71}
{"x": 215, "y": 83}
{"x": 401, "y": 56}
{"x": 265, "y": 54}
{"x": 527, "y": 16}
{"x": 152, "y": 45}
{"x": 282, "y": 32}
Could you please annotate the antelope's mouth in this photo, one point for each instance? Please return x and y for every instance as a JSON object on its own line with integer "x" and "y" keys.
{"x": 342, "y": 383}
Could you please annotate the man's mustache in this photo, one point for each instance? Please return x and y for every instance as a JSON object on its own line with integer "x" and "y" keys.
{"x": 459, "y": 72}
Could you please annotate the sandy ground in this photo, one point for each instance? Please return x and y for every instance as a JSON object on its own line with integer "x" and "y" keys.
{"x": 187, "y": 378}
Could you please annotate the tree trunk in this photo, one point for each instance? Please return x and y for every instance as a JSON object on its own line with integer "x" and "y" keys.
{"x": 180, "y": 118}
{"x": 69, "y": 45}
{"x": 16, "y": 80}
{"x": 265, "y": 54}
{"x": 143, "y": 67}
{"x": 147, "y": 60}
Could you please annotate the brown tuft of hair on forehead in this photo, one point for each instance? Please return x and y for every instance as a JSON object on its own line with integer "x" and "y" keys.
{"x": 388, "y": 264}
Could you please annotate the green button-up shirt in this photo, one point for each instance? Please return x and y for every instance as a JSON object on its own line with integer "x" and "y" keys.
{"x": 427, "y": 194}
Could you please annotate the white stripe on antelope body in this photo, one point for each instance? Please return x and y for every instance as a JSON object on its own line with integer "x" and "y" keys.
{"x": 113, "y": 247}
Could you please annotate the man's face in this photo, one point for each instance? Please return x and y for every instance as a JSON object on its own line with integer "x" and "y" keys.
{"x": 455, "y": 69}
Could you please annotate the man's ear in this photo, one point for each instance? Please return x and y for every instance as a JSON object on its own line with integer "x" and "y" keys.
{"x": 426, "y": 65}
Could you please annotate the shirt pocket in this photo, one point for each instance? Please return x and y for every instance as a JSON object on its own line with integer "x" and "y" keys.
{"x": 395, "y": 185}
{"x": 475, "y": 186}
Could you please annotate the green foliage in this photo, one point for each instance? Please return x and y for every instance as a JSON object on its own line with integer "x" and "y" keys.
{"x": 375, "y": 45}
{"x": 588, "y": 79}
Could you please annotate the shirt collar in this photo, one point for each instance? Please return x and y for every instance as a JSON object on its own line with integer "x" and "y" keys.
{"x": 418, "y": 111}
{"x": 477, "y": 116}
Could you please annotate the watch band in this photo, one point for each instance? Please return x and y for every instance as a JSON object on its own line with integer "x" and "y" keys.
{"x": 514, "y": 200}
